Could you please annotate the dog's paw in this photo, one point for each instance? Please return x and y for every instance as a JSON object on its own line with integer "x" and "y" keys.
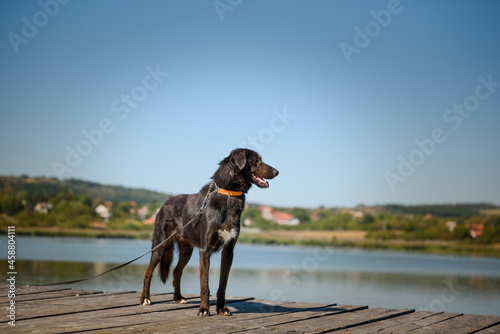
{"x": 203, "y": 312}
{"x": 145, "y": 301}
{"x": 224, "y": 311}
{"x": 180, "y": 300}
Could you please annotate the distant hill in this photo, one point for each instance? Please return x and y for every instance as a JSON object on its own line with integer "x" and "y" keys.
{"x": 52, "y": 186}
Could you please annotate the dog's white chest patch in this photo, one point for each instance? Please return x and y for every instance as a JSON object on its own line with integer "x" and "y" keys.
{"x": 226, "y": 235}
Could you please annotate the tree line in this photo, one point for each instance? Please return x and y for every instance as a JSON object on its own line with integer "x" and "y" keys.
{"x": 74, "y": 202}
{"x": 71, "y": 207}
{"x": 382, "y": 223}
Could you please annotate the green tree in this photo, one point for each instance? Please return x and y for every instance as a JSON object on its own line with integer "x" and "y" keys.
{"x": 368, "y": 219}
{"x": 302, "y": 214}
{"x": 9, "y": 201}
{"x": 85, "y": 200}
{"x": 39, "y": 197}
{"x": 461, "y": 232}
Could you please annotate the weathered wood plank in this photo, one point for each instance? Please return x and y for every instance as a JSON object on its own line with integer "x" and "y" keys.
{"x": 164, "y": 312}
{"x": 95, "y": 320}
{"x": 68, "y": 305}
{"x": 251, "y": 322}
{"x": 463, "y": 324}
{"x": 403, "y": 323}
{"x": 23, "y": 290}
{"x": 246, "y": 315}
{"x": 249, "y": 315}
{"x": 294, "y": 315}
{"x": 90, "y": 320}
{"x": 337, "y": 321}
{"x": 47, "y": 295}
{"x": 492, "y": 330}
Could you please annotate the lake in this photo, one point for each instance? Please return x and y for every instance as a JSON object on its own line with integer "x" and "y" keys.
{"x": 386, "y": 279}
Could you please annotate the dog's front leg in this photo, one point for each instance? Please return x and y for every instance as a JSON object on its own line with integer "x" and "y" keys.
{"x": 226, "y": 262}
{"x": 205, "y": 291}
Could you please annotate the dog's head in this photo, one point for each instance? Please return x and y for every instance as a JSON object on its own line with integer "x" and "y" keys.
{"x": 242, "y": 168}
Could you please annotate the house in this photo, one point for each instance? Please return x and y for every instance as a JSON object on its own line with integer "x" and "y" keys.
{"x": 108, "y": 204}
{"x": 247, "y": 222}
{"x": 451, "y": 225}
{"x": 152, "y": 219}
{"x": 284, "y": 218}
{"x": 267, "y": 212}
{"x": 103, "y": 212}
{"x": 142, "y": 212}
{"x": 43, "y": 207}
{"x": 476, "y": 231}
{"x": 357, "y": 214}
{"x": 280, "y": 217}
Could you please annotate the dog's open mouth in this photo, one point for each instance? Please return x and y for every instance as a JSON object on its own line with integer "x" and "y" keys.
{"x": 260, "y": 182}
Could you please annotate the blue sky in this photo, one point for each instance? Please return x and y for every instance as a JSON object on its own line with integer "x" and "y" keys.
{"x": 352, "y": 101}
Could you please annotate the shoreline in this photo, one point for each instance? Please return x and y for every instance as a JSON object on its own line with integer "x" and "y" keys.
{"x": 342, "y": 239}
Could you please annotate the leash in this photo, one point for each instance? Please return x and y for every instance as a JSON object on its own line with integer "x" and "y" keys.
{"x": 209, "y": 194}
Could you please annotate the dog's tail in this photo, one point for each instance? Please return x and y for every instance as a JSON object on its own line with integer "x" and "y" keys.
{"x": 166, "y": 261}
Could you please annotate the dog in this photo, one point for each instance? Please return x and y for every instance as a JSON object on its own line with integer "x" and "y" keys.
{"x": 217, "y": 228}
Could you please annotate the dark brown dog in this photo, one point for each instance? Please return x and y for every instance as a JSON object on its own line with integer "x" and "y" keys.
{"x": 217, "y": 228}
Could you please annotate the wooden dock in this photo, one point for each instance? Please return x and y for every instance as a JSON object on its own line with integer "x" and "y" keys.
{"x": 65, "y": 310}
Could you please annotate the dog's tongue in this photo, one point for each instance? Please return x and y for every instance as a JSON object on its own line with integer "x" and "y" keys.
{"x": 261, "y": 181}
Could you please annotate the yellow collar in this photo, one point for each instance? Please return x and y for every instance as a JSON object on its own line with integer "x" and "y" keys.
{"x": 229, "y": 192}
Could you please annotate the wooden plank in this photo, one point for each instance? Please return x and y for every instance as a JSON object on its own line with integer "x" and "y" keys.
{"x": 23, "y": 290}
{"x": 150, "y": 312}
{"x": 47, "y": 295}
{"x": 190, "y": 323}
{"x": 492, "y": 330}
{"x": 403, "y": 323}
{"x": 68, "y": 305}
{"x": 247, "y": 314}
{"x": 94, "y": 319}
{"x": 115, "y": 317}
{"x": 467, "y": 323}
{"x": 294, "y": 315}
{"x": 337, "y": 321}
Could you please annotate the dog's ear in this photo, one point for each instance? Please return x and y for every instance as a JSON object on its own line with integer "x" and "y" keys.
{"x": 240, "y": 158}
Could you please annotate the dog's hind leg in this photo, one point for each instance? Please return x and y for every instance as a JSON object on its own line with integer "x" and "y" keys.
{"x": 162, "y": 255}
{"x": 155, "y": 259}
{"x": 185, "y": 252}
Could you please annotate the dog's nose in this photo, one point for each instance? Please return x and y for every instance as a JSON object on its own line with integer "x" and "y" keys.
{"x": 275, "y": 173}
